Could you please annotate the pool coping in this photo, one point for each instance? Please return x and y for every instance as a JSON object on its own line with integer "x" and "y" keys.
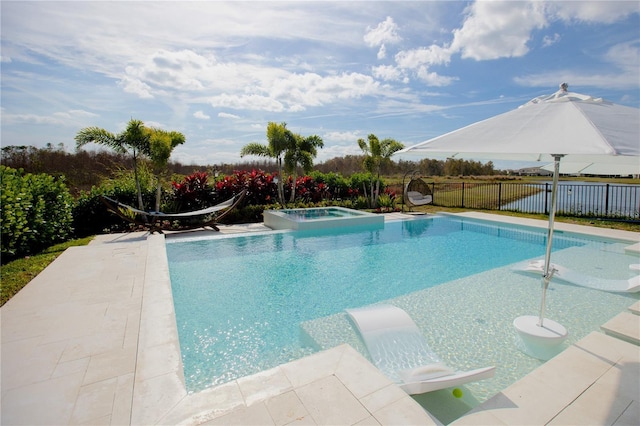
{"x": 69, "y": 377}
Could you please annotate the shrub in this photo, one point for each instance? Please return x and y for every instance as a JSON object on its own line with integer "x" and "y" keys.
{"x": 336, "y": 185}
{"x": 36, "y": 212}
{"x": 310, "y": 190}
{"x": 193, "y": 193}
{"x": 360, "y": 181}
{"x": 361, "y": 202}
{"x": 386, "y": 203}
{"x": 261, "y": 188}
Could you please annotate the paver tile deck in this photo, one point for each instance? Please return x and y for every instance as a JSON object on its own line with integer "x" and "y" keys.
{"x": 595, "y": 381}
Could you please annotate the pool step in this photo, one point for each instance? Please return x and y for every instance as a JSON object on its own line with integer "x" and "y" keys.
{"x": 633, "y": 249}
{"x": 625, "y": 326}
{"x": 635, "y": 308}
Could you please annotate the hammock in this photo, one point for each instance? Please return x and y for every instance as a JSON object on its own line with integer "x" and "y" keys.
{"x": 417, "y": 193}
{"x": 157, "y": 221}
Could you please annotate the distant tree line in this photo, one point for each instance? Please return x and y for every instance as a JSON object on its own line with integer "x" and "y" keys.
{"x": 84, "y": 169}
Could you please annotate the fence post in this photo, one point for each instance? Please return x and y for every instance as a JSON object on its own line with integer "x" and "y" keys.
{"x": 546, "y": 198}
{"x": 606, "y": 201}
{"x": 462, "y": 194}
{"x": 433, "y": 193}
{"x": 499, "y": 194}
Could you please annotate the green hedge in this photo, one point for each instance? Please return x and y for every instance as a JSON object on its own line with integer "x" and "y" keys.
{"x": 36, "y": 212}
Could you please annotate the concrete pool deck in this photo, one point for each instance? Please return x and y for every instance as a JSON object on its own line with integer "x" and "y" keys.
{"x": 93, "y": 340}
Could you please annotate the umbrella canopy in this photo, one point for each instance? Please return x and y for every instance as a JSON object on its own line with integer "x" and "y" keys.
{"x": 562, "y": 127}
{"x": 582, "y": 128}
{"x": 624, "y": 166}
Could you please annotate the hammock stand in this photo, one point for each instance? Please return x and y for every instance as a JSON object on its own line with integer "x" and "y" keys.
{"x": 159, "y": 222}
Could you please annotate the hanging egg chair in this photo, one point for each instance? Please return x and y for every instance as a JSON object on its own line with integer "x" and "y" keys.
{"x": 417, "y": 193}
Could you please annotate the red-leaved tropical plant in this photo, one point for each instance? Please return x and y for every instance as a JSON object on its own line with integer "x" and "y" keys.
{"x": 193, "y": 192}
{"x": 310, "y": 190}
{"x": 261, "y": 187}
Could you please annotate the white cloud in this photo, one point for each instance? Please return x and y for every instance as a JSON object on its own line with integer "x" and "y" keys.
{"x": 385, "y": 32}
{"x": 626, "y": 56}
{"x": 173, "y": 70}
{"x": 432, "y": 78}
{"x": 69, "y": 118}
{"x": 382, "y": 52}
{"x": 249, "y": 102}
{"x": 136, "y": 87}
{"x": 415, "y": 58}
{"x": 154, "y": 124}
{"x": 498, "y": 29}
{"x": 581, "y": 79}
{"x": 351, "y": 136}
{"x": 606, "y": 12}
{"x": 310, "y": 89}
{"x": 550, "y": 40}
{"x": 333, "y": 151}
{"x": 418, "y": 62}
{"x": 388, "y": 72}
{"x": 201, "y": 115}
{"x": 227, "y": 115}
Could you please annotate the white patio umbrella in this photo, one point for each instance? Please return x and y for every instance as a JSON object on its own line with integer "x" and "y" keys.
{"x": 624, "y": 166}
{"x": 569, "y": 127}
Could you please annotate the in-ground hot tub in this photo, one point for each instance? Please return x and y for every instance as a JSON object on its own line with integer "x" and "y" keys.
{"x": 320, "y": 217}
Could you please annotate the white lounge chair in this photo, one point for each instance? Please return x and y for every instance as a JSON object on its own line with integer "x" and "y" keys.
{"x": 400, "y": 350}
{"x": 561, "y": 273}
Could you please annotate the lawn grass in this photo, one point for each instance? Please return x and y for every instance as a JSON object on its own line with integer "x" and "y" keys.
{"x": 16, "y": 274}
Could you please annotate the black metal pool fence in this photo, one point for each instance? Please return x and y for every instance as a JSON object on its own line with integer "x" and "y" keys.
{"x": 584, "y": 199}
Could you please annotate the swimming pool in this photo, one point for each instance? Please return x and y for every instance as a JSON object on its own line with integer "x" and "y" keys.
{"x": 244, "y": 304}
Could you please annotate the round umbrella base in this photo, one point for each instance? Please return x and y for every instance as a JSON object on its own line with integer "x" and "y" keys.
{"x": 542, "y": 342}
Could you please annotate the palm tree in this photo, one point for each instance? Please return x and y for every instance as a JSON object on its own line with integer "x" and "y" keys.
{"x": 302, "y": 153}
{"x": 134, "y": 139}
{"x": 279, "y": 140}
{"x": 161, "y": 144}
{"x": 376, "y": 152}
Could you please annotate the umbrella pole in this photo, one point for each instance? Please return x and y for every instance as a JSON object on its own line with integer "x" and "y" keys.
{"x": 548, "y": 271}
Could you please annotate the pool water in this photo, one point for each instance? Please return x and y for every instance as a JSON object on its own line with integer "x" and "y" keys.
{"x": 248, "y": 303}
{"x": 312, "y": 214}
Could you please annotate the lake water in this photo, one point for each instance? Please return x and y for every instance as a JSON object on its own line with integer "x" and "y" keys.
{"x": 584, "y": 199}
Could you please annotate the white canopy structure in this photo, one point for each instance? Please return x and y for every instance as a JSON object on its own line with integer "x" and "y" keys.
{"x": 582, "y": 129}
{"x": 563, "y": 127}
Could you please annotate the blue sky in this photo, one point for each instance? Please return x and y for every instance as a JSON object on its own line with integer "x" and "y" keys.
{"x": 220, "y": 71}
